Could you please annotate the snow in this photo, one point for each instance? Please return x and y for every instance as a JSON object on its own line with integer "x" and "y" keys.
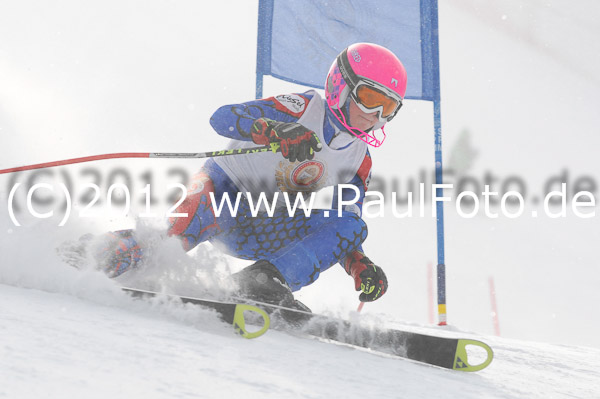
{"x": 520, "y": 77}
{"x": 59, "y": 345}
{"x": 67, "y": 332}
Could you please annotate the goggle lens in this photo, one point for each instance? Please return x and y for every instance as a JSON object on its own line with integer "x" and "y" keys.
{"x": 370, "y": 97}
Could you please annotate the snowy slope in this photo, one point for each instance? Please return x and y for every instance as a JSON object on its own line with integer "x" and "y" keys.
{"x": 101, "y": 344}
{"x": 66, "y": 332}
{"x": 80, "y": 79}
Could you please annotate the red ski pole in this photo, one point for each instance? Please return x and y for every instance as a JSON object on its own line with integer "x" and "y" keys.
{"x": 237, "y": 151}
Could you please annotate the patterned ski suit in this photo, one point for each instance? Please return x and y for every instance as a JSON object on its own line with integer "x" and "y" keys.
{"x": 300, "y": 247}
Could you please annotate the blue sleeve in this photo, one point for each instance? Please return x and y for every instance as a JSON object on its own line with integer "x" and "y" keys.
{"x": 235, "y": 120}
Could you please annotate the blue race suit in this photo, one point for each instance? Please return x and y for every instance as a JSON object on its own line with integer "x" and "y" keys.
{"x": 300, "y": 247}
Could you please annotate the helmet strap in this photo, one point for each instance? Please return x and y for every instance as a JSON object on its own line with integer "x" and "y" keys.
{"x": 344, "y": 121}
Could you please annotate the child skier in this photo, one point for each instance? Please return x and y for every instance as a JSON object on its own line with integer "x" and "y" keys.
{"x": 323, "y": 143}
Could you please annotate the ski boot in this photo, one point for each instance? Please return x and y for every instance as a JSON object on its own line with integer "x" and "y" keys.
{"x": 262, "y": 282}
{"x": 75, "y": 252}
{"x": 113, "y": 253}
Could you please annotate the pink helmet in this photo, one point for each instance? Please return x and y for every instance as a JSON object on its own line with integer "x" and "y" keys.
{"x": 374, "y": 78}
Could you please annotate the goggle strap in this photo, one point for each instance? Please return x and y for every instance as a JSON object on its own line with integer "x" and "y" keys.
{"x": 346, "y": 69}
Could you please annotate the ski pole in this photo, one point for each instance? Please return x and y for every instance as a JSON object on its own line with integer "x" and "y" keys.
{"x": 185, "y": 155}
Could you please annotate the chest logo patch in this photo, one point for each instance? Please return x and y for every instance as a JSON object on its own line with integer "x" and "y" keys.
{"x": 308, "y": 173}
{"x": 304, "y": 176}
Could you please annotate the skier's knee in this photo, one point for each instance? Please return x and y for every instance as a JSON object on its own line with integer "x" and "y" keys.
{"x": 358, "y": 229}
{"x": 192, "y": 228}
{"x": 363, "y": 229}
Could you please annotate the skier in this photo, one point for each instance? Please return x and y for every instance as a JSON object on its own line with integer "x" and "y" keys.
{"x": 323, "y": 143}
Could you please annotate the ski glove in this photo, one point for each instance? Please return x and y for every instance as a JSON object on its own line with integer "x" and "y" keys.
{"x": 368, "y": 278}
{"x": 117, "y": 252}
{"x": 296, "y": 141}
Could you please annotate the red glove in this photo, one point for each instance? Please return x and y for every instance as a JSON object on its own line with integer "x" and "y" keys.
{"x": 296, "y": 141}
{"x": 368, "y": 278}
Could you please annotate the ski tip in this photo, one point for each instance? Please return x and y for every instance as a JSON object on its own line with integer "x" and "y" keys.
{"x": 461, "y": 358}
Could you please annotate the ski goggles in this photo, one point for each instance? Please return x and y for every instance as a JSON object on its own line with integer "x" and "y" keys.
{"x": 370, "y": 99}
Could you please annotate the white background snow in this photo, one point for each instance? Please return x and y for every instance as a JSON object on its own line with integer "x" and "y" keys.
{"x": 519, "y": 98}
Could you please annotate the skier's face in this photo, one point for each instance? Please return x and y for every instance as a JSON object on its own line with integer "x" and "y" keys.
{"x": 360, "y": 119}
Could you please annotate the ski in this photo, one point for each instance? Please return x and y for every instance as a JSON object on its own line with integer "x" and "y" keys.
{"x": 449, "y": 353}
{"x": 230, "y": 312}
